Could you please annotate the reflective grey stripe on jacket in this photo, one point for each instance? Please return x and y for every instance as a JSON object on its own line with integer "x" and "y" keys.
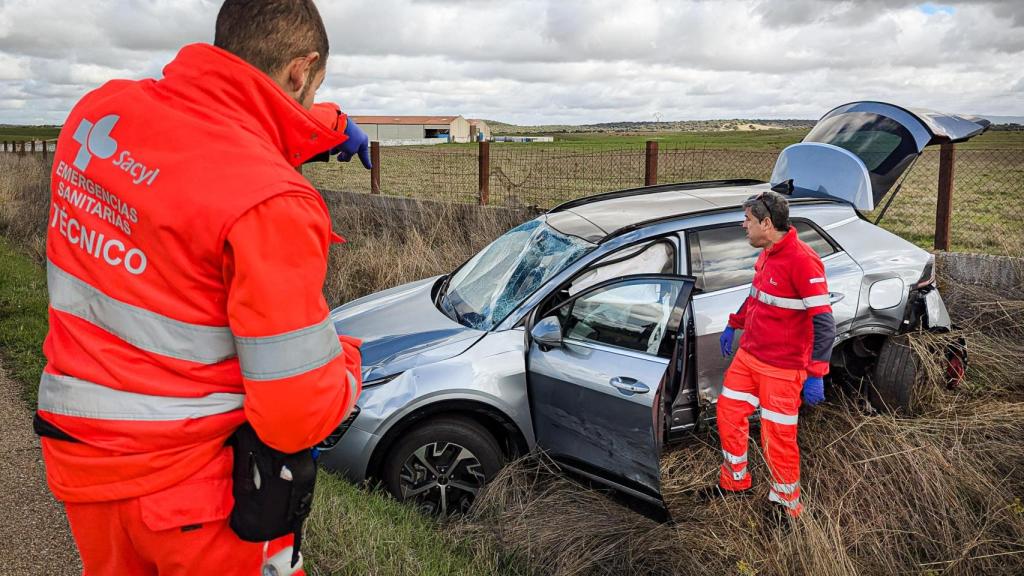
{"x": 288, "y": 354}
{"x": 141, "y": 328}
{"x": 74, "y": 397}
{"x": 789, "y": 303}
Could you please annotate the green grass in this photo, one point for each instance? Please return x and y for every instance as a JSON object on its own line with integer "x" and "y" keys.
{"x": 23, "y": 303}
{"x": 351, "y": 531}
{"x": 9, "y": 132}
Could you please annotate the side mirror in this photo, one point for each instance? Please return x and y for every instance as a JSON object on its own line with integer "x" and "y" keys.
{"x": 548, "y": 332}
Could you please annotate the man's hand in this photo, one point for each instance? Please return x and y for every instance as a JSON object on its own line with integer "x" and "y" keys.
{"x": 726, "y": 341}
{"x": 814, "y": 390}
{"x": 358, "y": 143}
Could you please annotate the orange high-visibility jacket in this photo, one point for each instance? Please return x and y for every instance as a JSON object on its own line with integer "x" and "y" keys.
{"x": 186, "y": 259}
{"x": 787, "y": 318}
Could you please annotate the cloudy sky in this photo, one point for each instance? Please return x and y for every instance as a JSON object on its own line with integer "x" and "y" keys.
{"x": 559, "y": 61}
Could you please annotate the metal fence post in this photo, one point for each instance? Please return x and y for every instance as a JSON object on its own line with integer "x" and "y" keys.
{"x": 484, "y": 169}
{"x": 651, "y": 164}
{"x": 944, "y": 206}
{"x": 375, "y": 168}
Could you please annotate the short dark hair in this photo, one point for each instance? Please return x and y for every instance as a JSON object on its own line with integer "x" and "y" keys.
{"x": 769, "y": 204}
{"x": 270, "y": 33}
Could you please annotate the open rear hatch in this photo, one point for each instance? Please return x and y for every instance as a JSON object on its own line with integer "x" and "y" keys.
{"x": 858, "y": 151}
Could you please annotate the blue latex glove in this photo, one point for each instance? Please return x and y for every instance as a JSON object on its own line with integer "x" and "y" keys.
{"x": 726, "y": 341}
{"x": 358, "y": 143}
{"x": 814, "y": 390}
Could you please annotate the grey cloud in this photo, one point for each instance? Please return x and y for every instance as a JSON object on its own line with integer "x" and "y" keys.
{"x": 559, "y": 60}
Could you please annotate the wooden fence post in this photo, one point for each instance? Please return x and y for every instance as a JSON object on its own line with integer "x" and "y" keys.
{"x": 651, "y": 164}
{"x": 484, "y": 168}
{"x": 944, "y": 206}
{"x": 375, "y": 167}
{"x": 45, "y": 146}
{"x": 33, "y": 147}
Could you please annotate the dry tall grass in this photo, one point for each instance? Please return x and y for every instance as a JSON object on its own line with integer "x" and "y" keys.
{"x": 24, "y": 201}
{"x": 940, "y": 493}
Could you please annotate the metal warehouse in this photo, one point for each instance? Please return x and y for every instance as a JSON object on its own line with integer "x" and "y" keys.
{"x": 392, "y": 128}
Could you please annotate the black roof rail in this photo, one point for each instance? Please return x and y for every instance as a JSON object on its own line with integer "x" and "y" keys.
{"x": 715, "y": 210}
{"x": 654, "y": 190}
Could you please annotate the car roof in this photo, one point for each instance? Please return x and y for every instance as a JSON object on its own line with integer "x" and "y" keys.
{"x": 597, "y": 217}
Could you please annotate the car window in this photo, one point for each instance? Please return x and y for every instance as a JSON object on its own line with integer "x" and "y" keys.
{"x": 722, "y": 258}
{"x": 813, "y": 238}
{"x": 631, "y": 315}
{"x": 650, "y": 258}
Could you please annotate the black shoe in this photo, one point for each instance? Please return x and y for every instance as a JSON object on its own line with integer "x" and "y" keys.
{"x": 709, "y": 494}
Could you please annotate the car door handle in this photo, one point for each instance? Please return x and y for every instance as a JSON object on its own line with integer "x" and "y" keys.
{"x": 834, "y": 297}
{"x": 629, "y": 385}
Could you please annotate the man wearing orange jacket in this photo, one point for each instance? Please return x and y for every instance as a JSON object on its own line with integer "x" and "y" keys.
{"x": 185, "y": 260}
{"x": 788, "y": 331}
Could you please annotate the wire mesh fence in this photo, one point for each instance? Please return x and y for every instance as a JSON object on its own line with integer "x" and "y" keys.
{"x": 988, "y": 184}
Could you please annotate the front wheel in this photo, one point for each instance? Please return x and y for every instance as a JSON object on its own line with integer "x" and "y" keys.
{"x": 441, "y": 464}
{"x": 895, "y": 381}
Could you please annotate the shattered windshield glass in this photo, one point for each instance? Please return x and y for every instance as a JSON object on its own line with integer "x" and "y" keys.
{"x": 501, "y": 276}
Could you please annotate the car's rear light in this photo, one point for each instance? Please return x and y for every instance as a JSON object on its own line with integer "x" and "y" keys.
{"x": 928, "y": 275}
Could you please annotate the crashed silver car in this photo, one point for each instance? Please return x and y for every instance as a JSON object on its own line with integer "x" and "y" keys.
{"x": 591, "y": 332}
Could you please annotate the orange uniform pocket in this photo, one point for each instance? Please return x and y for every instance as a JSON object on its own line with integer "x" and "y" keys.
{"x": 203, "y": 497}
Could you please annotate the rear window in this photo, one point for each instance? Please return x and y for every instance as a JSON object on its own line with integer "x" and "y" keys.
{"x": 884, "y": 145}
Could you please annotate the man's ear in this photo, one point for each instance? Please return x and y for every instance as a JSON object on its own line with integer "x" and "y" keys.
{"x": 298, "y": 71}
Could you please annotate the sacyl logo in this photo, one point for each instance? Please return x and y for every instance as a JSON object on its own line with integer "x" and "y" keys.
{"x": 95, "y": 140}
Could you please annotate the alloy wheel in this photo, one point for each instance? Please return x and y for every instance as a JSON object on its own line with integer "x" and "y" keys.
{"x": 442, "y": 478}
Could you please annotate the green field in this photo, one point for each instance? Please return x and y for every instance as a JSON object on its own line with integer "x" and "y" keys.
{"x": 989, "y": 176}
{"x": 19, "y": 133}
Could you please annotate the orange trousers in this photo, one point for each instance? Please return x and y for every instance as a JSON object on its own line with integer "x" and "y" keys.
{"x": 750, "y": 385}
{"x": 182, "y": 530}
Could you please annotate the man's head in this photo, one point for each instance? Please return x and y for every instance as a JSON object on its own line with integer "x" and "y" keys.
{"x": 767, "y": 218}
{"x": 285, "y": 39}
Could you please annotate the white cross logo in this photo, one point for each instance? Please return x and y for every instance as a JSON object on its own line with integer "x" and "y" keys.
{"x": 95, "y": 140}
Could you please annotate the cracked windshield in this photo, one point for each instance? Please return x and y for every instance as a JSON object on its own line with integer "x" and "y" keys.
{"x": 505, "y": 273}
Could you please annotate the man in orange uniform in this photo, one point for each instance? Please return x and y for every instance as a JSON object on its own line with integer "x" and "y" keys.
{"x": 186, "y": 260}
{"x": 786, "y": 347}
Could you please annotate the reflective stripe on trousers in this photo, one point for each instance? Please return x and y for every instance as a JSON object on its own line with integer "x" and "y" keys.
{"x": 741, "y": 396}
{"x": 75, "y": 397}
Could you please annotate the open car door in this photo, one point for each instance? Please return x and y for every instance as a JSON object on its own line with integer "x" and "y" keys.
{"x": 602, "y": 368}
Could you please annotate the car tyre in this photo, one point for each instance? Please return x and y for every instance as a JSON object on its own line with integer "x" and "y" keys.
{"x": 441, "y": 464}
{"x": 895, "y": 378}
